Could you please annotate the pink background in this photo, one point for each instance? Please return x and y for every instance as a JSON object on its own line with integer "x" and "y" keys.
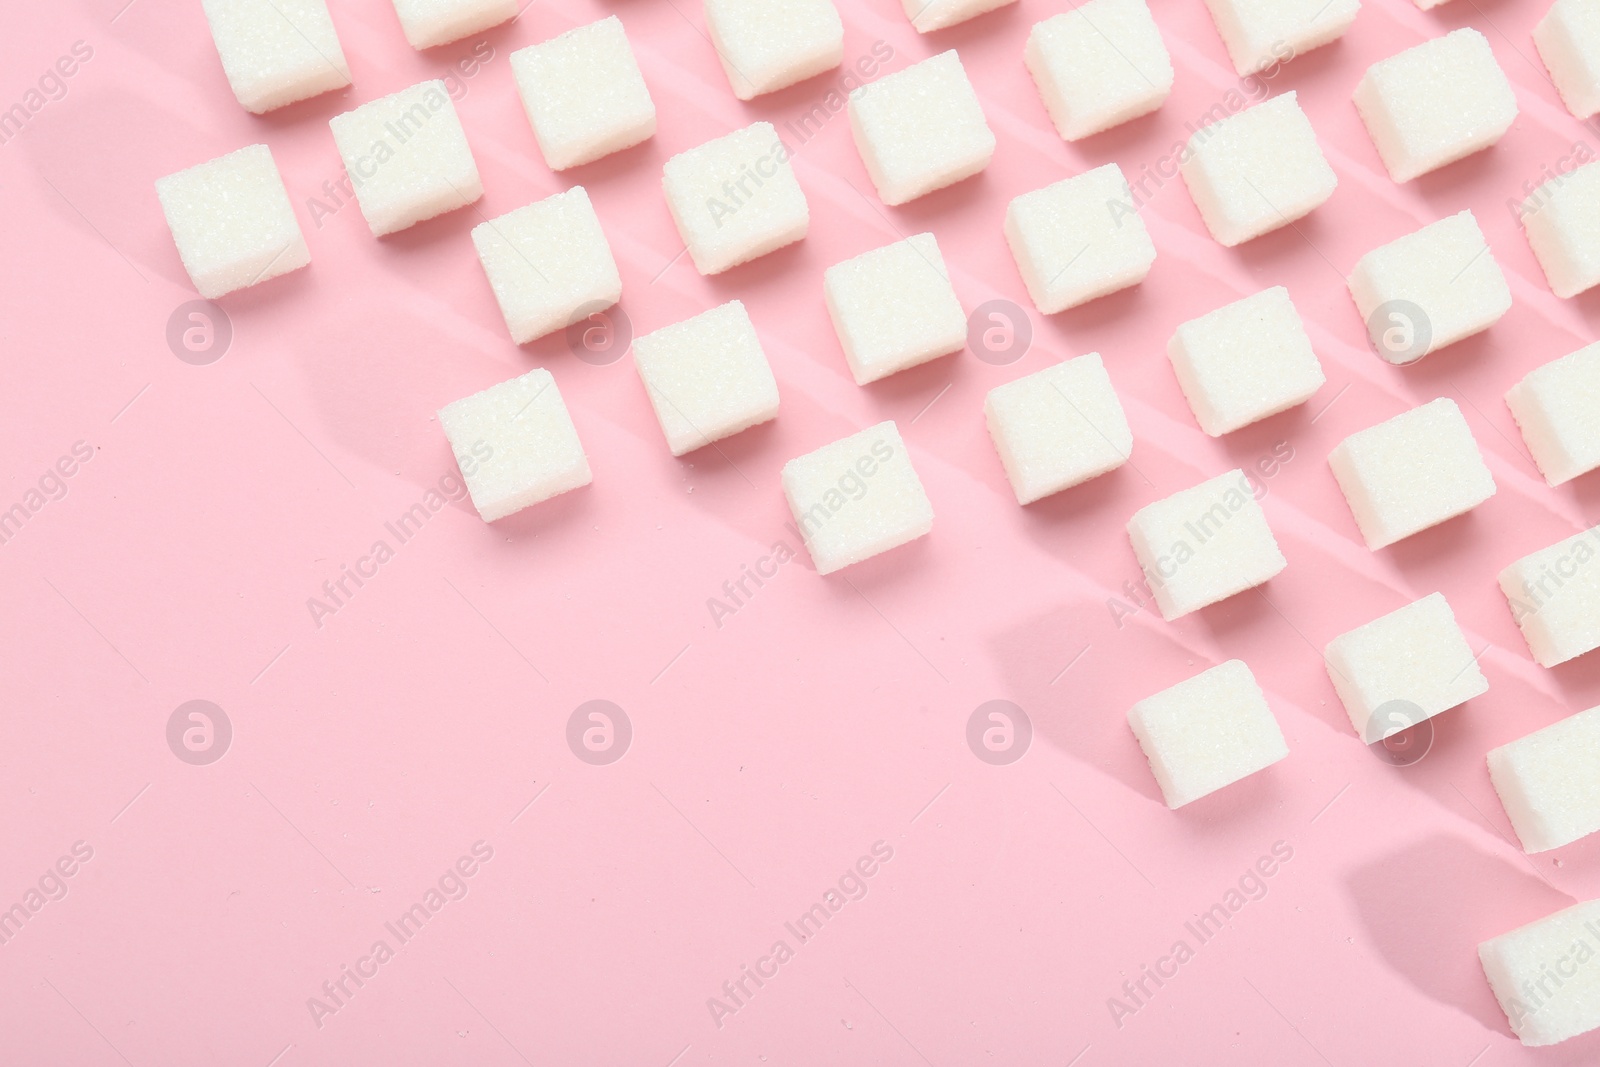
{"x": 826, "y": 715}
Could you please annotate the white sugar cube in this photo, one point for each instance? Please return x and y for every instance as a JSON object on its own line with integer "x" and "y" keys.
{"x": 407, "y": 156}
{"x": 1207, "y": 732}
{"x": 1549, "y": 782}
{"x": 1058, "y": 427}
{"x": 1256, "y": 170}
{"x": 1562, "y": 221}
{"x": 1557, "y": 407}
{"x": 427, "y": 23}
{"x": 548, "y": 263}
{"x": 1435, "y": 103}
{"x": 1410, "y": 473}
{"x": 1078, "y": 239}
{"x": 920, "y": 129}
{"x": 928, "y": 15}
{"x": 707, "y": 377}
{"x": 516, "y": 444}
{"x": 1099, "y": 65}
{"x": 856, "y": 498}
{"x": 1555, "y": 597}
{"x": 1568, "y": 40}
{"x": 583, "y": 94}
{"x": 276, "y": 52}
{"x": 1263, "y": 33}
{"x": 1204, "y": 544}
{"x": 1429, "y": 289}
{"x": 894, "y": 308}
{"x": 1546, "y": 975}
{"x": 767, "y": 45}
{"x": 1402, "y": 668}
{"x": 1245, "y": 361}
{"x": 232, "y": 221}
{"x": 735, "y": 198}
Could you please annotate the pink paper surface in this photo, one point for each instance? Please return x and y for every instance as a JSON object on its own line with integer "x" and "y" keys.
{"x": 826, "y": 717}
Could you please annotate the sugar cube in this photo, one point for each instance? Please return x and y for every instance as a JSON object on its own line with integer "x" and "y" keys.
{"x": 1562, "y": 221}
{"x": 707, "y": 377}
{"x": 1078, "y": 239}
{"x": 1549, "y": 782}
{"x": 920, "y": 129}
{"x": 894, "y": 308}
{"x": 427, "y": 23}
{"x": 1264, "y": 33}
{"x": 232, "y": 221}
{"x": 735, "y": 198}
{"x": 276, "y": 52}
{"x": 548, "y": 263}
{"x": 1245, "y": 361}
{"x": 1411, "y": 472}
{"x": 928, "y": 15}
{"x": 767, "y": 45}
{"x": 1416, "y": 658}
{"x": 1207, "y": 732}
{"x": 1555, "y": 598}
{"x": 1546, "y": 976}
{"x": 407, "y": 157}
{"x": 856, "y": 498}
{"x": 1557, "y": 407}
{"x": 1204, "y": 544}
{"x": 1568, "y": 40}
{"x": 515, "y": 444}
{"x": 1435, "y": 103}
{"x": 583, "y": 94}
{"x": 1058, "y": 427}
{"x": 1257, "y": 170}
{"x": 1098, "y": 65}
{"x": 1429, "y": 289}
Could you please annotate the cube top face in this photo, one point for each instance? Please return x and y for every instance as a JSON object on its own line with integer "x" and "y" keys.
{"x": 1554, "y": 595}
{"x": 429, "y": 23}
{"x": 767, "y": 45}
{"x": 707, "y": 377}
{"x": 1568, "y": 40}
{"x": 1058, "y": 427}
{"x": 583, "y": 94}
{"x": 1410, "y": 473}
{"x": 1435, "y": 103}
{"x": 276, "y": 52}
{"x": 1556, "y": 407}
{"x": 548, "y": 263}
{"x": 1562, "y": 221}
{"x": 1245, "y": 361}
{"x": 1517, "y": 964}
{"x": 1099, "y": 66}
{"x": 1207, "y": 732}
{"x": 856, "y": 498}
{"x": 407, "y": 157}
{"x": 920, "y": 129}
{"x": 1429, "y": 289}
{"x": 1262, "y": 33}
{"x": 894, "y": 308}
{"x": 232, "y": 221}
{"x": 1404, "y": 667}
{"x": 1549, "y": 782}
{"x": 735, "y": 198}
{"x": 926, "y": 15}
{"x": 1204, "y": 544}
{"x": 1078, "y": 239}
{"x": 1257, "y": 170}
{"x": 516, "y": 444}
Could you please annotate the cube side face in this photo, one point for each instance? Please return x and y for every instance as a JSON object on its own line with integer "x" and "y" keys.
{"x": 920, "y": 129}
{"x": 1562, "y": 222}
{"x": 764, "y": 211}
{"x": 1518, "y": 965}
{"x": 1245, "y": 362}
{"x": 1557, "y": 408}
{"x": 1058, "y": 427}
{"x": 926, "y": 15}
{"x": 707, "y": 377}
{"x": 856, "y": 498}
{"x": 1078, "y": 239}
{"x": 1258, "y": 36}
{"x": 1099, "y": 66}
{"x": 548, "y": 263}
{"x": 276, "y": 52}
{"x": 430, "y": 23}
{"x": 1568, "y": 41}
{"x": 894, "y": 308}
{"x": 769, "y": 46}
{"x": 1554, "y": 596}
{"x": 583, "y": 94}
{"x": 524, "y": 445}
{"x": 1549, "y": 782}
